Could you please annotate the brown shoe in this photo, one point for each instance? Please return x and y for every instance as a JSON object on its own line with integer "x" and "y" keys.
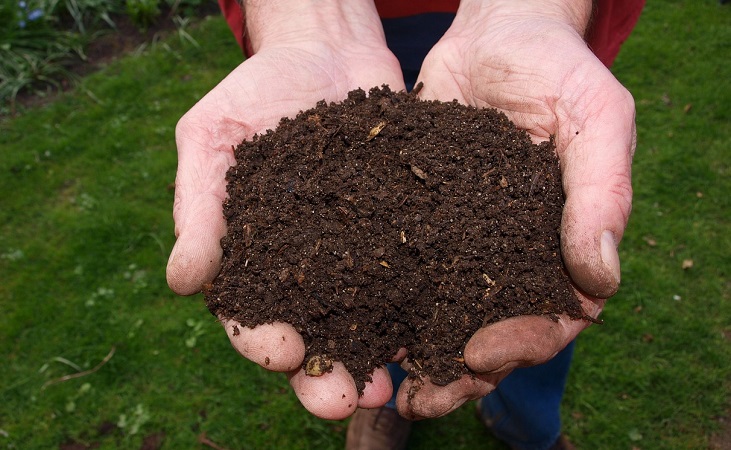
{"x": 377, "y": 429}
{"x": 562, "y": 443}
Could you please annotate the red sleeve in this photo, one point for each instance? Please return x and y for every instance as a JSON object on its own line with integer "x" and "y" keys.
{"x": 390, "y": 9}
{"x": 234, "y": 15}
{"x": 612, "y": 23}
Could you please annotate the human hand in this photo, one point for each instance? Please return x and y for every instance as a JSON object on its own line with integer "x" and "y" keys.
{"x": 303, "y": 55}
{"x": 529, "y": 60}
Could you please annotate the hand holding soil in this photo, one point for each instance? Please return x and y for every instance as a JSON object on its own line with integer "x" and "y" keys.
{"x": 541, "y": 74}
{"x": 204, "y": 138}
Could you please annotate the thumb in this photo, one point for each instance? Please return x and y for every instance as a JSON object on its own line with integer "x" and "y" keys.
{"x": 200, "y": 188}
{"x": 596, "y": 173}
{"x": 196, "y": 255}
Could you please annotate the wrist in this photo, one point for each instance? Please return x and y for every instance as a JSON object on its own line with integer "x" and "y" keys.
{"x": 294, "y": 22}
{"x": 573, "y": 13}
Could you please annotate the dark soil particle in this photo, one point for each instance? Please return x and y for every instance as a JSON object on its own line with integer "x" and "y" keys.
{"x": 386, "y": 221}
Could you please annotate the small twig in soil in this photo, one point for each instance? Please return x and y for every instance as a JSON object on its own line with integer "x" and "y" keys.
{"x": 323, "y": 145}
{"x": 505, "y": 158}
{"x": 488, "y": 318}
{"x": 588, "y": 318}
{"x": 534, "y": 182}
{"x": 83, "y": 373}
{"x": 203, "y": 439}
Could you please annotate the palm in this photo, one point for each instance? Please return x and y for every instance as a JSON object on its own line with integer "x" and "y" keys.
{"x": 546, "y": 81}
{"x": 253, "y": 98}
{"x": 274, "y": 83}
{"x": 529, "y": 77}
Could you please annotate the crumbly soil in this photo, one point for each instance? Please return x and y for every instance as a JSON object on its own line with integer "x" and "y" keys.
{"x": 386, "y": 221}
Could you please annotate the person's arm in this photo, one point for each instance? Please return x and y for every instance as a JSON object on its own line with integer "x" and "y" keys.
{"x": 306, "y": 51}
{"x": 528, "y": 59}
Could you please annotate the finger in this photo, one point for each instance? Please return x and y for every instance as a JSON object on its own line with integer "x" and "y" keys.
{"x": 196, "y": 255}
{"x": 276, "y": 347}
{"x": 596, "y": 173}
{"x": 378, "y": 391}
{"x": 420, "y": 399}
{"x": 205, "y": 135}
{"x": 265, "y": 345}
{"x": 523, "y": 341}
{"x": 432, "y": 77}
{"x": 331, "y": 396}
{"x": 400, "y": 355}
{"x": 200, "y": 188}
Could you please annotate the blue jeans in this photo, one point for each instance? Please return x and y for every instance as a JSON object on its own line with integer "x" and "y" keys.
{"x": 523, "y": 411}
{"x": 411, "y": 38}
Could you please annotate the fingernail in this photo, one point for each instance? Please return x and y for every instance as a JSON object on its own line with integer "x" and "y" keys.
{"x": 610, "y": 257}
{"x": 461, "y": 402}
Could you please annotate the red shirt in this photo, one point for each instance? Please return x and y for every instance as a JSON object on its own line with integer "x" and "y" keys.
{"x": 612, "y": 23}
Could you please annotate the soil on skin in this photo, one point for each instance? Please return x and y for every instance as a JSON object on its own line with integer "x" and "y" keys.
{"x": 386, "y": 221}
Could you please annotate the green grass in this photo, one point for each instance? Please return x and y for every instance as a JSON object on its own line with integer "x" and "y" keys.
{"x": 657, "y": 374}
{"x": 85, "y": 230}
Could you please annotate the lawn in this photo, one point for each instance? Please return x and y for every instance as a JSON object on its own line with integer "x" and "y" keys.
{"x": 86, "y": 228}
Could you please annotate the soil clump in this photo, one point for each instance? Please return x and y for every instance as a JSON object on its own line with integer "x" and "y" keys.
{"x": 386, "y": 221}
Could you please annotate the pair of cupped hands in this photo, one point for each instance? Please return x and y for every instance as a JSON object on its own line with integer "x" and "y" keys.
{"x": 536, "y": 68}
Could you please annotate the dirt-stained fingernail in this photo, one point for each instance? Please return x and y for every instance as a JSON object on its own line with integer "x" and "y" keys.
{"x": 610, "y": 257}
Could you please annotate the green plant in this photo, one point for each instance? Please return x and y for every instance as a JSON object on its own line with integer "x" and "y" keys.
{"x": 143, "y": 12}
{"x": 41, "y": 39}
{"x": 185, "y": 8}
{"x": 33, "y": 55}
{"x": 36, "y": 71}
{"x": 181, "y": 25}
{"x": 19, "y": 15}
{"x": 85, "y": 15}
